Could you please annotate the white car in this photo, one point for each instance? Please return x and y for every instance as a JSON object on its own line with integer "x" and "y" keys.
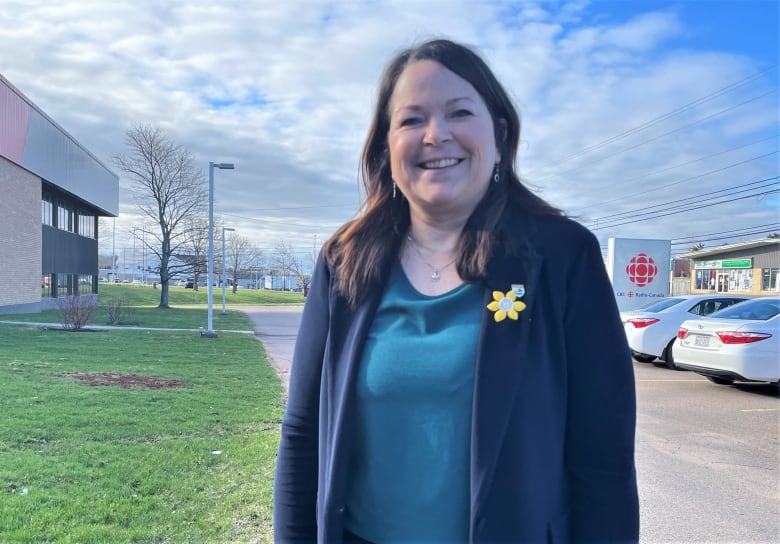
{"x": 651, "y": 329}
{"x": 741, "y": 343}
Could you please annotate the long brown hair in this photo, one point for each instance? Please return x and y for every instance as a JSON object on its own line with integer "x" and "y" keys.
{"x": 358, "y": 249}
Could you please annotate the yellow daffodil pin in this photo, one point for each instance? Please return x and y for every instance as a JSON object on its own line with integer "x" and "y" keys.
{"x": 505, "y": 305}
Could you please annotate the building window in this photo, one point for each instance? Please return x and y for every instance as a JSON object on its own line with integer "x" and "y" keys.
{"x": 86, "y": 225}
{"x": 47, "y": 212}
{"x": 741, "y": 280}
{"x": 64, "y": 217}
{"x": 706, "y": 280}
{"x": 85, "y": 285}
{"x": 46, "y": 285}
{"x": 769, "y": 279}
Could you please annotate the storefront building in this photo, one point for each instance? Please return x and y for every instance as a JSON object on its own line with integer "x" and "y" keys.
{"x": 52, "y": 191}
{"x": 745, "y": 268}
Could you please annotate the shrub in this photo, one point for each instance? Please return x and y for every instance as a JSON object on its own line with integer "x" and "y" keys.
{"x": 75, "y": 311}
{"x": 118, "y": 310}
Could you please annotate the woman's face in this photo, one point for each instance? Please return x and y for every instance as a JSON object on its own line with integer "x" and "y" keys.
{"x": 441, "y": 141}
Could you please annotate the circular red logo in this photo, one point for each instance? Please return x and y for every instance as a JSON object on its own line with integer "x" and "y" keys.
{"x": 641, "y": 270}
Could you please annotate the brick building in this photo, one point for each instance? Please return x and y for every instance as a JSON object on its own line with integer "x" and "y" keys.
{"x": 52, "y": 191}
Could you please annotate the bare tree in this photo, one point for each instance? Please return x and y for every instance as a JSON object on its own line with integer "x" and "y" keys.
{"x": 256, "y": 265}
{"x": 194, "y": 251}
{"x": 302, "y": 268}
{"x": 239, "y": 255}
{"x": 169, "y": 190}
{"x": 302, "y": 271}
{"x": 282, "y": 260}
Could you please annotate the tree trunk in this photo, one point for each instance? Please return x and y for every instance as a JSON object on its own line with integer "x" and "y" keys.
{"x": 164, "y": 294}
{"x": 165, "y": 277}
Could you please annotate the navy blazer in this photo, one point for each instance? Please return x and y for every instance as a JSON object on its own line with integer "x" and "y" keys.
{"x": 554, "y": 409}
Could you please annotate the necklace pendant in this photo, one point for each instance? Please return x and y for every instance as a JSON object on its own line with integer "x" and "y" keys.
{"x": 435, "y": 276}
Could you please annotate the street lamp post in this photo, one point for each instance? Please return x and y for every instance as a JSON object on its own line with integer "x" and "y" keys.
{"x": 222, "y": 166}
{"x": 223, "y": 266}
{"x": 134, "y": 266}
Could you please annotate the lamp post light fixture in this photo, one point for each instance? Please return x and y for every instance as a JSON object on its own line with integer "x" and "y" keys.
{"x": 209, "y": 332}
{"x": 224, "y": 280}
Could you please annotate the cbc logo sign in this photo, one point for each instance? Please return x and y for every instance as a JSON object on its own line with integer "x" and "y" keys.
{"x": 641, "y": 270}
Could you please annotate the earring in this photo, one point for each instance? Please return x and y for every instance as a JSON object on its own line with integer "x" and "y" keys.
{"x": 394, "y": 188}
{"x": 496, "y": 178}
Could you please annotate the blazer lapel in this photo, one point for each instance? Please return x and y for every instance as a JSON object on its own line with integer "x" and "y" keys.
{"x": 500, "y": 364}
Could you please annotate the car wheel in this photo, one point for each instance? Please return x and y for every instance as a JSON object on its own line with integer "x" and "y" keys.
{"x": 669, "y": 358}
{"x": 642, "y": 358}
{"x": 719, "y": 380}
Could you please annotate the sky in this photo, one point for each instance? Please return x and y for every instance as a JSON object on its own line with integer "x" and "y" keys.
{"x": 640, "y": 119}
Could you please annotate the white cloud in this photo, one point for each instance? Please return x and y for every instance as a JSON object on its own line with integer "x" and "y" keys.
{"x": 285, "y": 89}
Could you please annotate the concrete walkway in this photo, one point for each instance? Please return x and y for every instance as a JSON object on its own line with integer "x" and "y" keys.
{"x": 276, "y": 327}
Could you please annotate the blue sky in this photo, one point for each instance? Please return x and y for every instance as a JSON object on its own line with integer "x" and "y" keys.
{"x": 628, "y": 108}
{"x": 749, "y": 27}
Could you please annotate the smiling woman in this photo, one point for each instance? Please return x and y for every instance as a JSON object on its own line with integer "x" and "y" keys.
{"x": 460, "y": 349}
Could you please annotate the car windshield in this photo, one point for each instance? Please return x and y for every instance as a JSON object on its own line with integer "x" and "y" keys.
{"x": 756, "y": 309}
{"x": 659, "y": 305}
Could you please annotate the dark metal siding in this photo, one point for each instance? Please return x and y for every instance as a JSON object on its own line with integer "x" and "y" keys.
{"x": 68, "y": 253}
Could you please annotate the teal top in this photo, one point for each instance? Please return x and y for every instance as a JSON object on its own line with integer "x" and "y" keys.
{"x": 409, "y": 463}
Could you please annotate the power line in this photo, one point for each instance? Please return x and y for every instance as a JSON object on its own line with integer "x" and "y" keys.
{"x": 655, "y": 172}
{"x": 692, "y": 208}
{"x": 666, "y": 116}
{"x": 653, "y": 139}
{"x": 690, "y": 178}
{"x": 704, "y": 197}
{"x": 729, "y": 234}
{"x": 729, "y": 237}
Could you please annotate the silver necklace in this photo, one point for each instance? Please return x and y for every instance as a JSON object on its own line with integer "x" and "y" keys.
{"x": 436, "y": 272}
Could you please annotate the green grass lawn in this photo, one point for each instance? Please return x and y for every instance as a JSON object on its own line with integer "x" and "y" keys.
{"x": 143, "y": 316}
{"x": 104, "y": 464}
{"x": 145, "y": 295}
{"x": 188, "y": 308}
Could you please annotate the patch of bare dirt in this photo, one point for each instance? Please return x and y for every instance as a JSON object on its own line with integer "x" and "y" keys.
{"x": 125, "y": 381}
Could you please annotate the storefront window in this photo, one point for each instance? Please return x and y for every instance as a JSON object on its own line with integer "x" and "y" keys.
{"x": 769, "y": 279}
{"x": 706, "y": 279}
{"x": 740, "y": 280}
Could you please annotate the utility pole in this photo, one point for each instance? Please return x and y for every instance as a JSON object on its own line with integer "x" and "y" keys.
{"x": 114, "y": 258}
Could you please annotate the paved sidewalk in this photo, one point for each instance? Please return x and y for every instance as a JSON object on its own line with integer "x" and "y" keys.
{"x": 276, "y": 327}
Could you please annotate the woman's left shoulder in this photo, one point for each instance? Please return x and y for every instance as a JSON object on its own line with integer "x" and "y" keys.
{"x": 556, "y": 225}
{"x": 554, "y": 233}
